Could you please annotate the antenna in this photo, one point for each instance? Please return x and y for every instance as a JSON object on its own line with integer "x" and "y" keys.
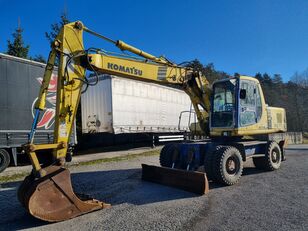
{"x": 65, "y": 8}
{"x": 18, "y": 23}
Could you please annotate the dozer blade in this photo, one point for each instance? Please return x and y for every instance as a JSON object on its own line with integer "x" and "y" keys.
{"x": 51, "y": 198}
{"x": 195, "y": 182}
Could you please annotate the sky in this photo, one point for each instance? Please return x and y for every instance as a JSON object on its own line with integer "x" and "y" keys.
{"x": 243, "y": 36}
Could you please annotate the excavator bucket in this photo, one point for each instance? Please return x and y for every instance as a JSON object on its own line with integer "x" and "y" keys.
{"x": 51, "y": 198}
{"x": 191, "y": 181}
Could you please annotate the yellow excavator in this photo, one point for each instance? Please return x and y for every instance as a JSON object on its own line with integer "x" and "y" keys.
{"x": 232, "y": 113}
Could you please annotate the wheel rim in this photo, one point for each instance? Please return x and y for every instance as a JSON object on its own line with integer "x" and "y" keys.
{"x": 1, "y": 160}
{"x": 232, "y": 165}
{"x": 275, "y": 157}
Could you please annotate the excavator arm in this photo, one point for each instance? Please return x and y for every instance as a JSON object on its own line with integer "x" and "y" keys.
{"x": 68, "y": 95}
{"x": 74, "y": 62}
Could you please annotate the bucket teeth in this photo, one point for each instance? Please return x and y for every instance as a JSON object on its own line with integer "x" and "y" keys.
{"x": 52, "y": 199}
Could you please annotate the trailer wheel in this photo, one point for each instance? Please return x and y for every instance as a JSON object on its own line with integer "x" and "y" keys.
{"x": 4, "y": 159}
{"x": 168, "y": 155}
{"x": 272, "y": 159}
{"x": 227, "y": 165}
{"x": 208, "y": 162}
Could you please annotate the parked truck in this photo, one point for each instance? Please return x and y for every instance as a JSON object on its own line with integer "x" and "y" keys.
{"x": 20, "y": 80}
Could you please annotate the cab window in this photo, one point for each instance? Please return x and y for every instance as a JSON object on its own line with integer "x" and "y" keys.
{"x": 258, "y": 103}
{"x": 248, "y": 115}
{"x": 223, "y": 104}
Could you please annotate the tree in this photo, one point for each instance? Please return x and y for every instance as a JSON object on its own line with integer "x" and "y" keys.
{"x": 267, "y": 79}
{"x": 207, "y": 70}
{"x": 292, "y": 96}
{"x": 300, "y": 80}
{"x": 259, "y": 77}
{"x": 17, "y": 47}
{"x": 38, "y": 58}
{"x": 56, "y": 27}
{"x": 277, "y": 80}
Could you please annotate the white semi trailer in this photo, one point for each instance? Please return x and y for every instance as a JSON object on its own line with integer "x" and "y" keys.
{"x": 117, "y": 105}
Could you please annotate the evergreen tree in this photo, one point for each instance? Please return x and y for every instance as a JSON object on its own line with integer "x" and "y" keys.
{"x": 207, "y": 70}
{"x": 277, "y": 80}
{"x": 300, "y": 94}
{"x": 38, "y": 58}
{"x": 267, "y": 79}
{"x": 17, "y": 47}
{"x": 259, "y": 77}
{"x": 56, "y": 27}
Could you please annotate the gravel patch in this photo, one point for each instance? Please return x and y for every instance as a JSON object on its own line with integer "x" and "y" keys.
{"x": 261, "y": 201}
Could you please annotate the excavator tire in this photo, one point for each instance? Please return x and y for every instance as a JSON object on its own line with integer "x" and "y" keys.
{"x": 272, "y": 159}
{"x": 208, "y": 162}
{"x": 227, "y": 165}
{"x": 166, "y": 155}
{"x": 51, "y": 198}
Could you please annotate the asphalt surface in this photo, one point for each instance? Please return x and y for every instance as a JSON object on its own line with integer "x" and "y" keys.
{"x": 260, "y": 201}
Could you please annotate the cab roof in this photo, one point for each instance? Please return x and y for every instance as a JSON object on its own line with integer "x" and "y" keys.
{"x": 245, "y": 77}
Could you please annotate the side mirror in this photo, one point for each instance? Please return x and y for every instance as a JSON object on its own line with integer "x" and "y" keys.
{"x": 243, "y": 94}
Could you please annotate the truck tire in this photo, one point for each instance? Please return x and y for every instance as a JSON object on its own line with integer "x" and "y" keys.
{"x": 208, "y": 162}
{"x": 227, "y": 165}
{"x": 272, "y": 159}
{"x": 4, "y": 159}
{"x": 166, "y": 155}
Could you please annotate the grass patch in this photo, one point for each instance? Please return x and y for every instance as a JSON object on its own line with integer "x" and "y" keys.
{"x": 13, "y": 177}
{"x": 305, "y": 140}
{"x": 119, "y": 158}
{"x": 20, "y": 176}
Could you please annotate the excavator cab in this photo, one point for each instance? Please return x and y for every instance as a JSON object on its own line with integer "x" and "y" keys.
{"x": 239, "y": 109}
{"x": 236, "y": 103}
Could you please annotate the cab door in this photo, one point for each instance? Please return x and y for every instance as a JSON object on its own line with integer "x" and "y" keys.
{"x": 247, "y": 103}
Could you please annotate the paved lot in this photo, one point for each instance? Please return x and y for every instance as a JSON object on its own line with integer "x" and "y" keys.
{"x": 261, "y": 201}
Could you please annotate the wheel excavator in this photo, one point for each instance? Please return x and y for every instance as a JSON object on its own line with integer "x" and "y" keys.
{"x": 232, "y": 113}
